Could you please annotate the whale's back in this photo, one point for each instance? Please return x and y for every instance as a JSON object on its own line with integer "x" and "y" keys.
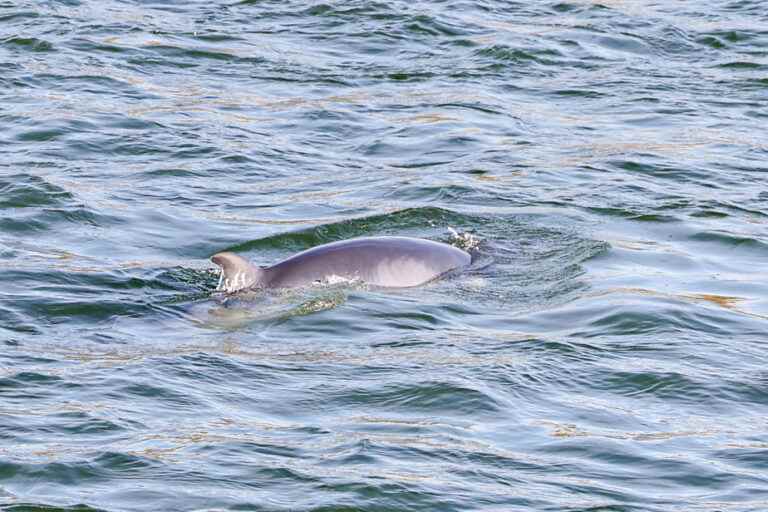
{"x": 379, "y": 261}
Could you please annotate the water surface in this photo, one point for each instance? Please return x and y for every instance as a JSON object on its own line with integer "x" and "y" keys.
{"x": 609, "y": 157}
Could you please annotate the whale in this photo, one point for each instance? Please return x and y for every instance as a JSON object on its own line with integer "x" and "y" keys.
{"x": 381, "y": 261}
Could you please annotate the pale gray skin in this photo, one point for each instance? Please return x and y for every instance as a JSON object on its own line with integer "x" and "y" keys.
{"x": 386, "y": 261}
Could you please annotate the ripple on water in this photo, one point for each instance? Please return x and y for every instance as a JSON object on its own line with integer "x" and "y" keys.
{"x": 29, "y": 191}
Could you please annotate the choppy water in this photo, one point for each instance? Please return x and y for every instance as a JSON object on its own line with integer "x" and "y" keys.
{"x": 611, "y": 158}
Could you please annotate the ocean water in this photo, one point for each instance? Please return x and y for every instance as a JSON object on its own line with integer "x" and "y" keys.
{"x": 609, "y": 159}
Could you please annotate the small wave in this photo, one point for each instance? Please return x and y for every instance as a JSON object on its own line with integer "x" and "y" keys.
{"x": 29, "y": 43}
{"x": 30, "y": 191}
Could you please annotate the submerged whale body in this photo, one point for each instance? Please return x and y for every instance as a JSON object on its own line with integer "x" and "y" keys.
{"x": 387, "y": 261}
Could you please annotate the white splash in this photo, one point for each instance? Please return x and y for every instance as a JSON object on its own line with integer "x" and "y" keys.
{"x": 466, "y": 241}
{"x": 237, "y": 283}
{"x": 336, "y": 279}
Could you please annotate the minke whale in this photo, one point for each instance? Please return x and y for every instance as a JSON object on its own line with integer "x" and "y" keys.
{"x": 385, "y": 261}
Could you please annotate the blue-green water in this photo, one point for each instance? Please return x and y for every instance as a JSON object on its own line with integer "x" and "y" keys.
{"x": 609, "y": 157}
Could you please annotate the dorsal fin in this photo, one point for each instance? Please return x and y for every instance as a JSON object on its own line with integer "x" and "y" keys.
{"x": 237, "y": 273}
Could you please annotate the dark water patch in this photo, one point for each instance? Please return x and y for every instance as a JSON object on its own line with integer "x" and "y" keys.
{"x": 64, "y": 280}
{"x": 747, "y": 456}
{"x": 171, "y": 173}
{"x": 734, "y": 209}
{"x": 29, "y": 359}
{"x": 728, "y": 240}
{"x": 654, "y": 218}
{"x": 433, "y": 194}
{"x": 685, "y": 175}
{"x": 124, "y": 464}
{"x": 734, "y": 36}
{"x": 127, "y": 122}
{"x": 59, "y": 473}
{"x": 55, "y": 298}
{"x": 425, "y": 396}
{"x": 414, "y": 321}
{"x": 519, "y": 56}
{"x": 28, "y": 222}
{"x": 746, "y": 65}
{"x": 83, "y": 424}
{"x": 32, "y": 507}
{"x": 147, "y": 61}
{"x": 712, "y": 41}
{"x": 31, "y": 382}
{"x": 79, "y": 83}
{"x": 578, "y": 93}
{"x": 616, "y": 212}
{"x": 658, "y": 319}
{"x": 614, "y": 457}
{"x": 562, "y": 7}
{"x": 28, "y": 43}
{"x": 411, "y": 76}
{"x": 39, "y": 135}
{"x": 214, "y": 37}
{"x": 81, "y": 216}
{"x": 193, "y": 56}
{"x": 91, "y": 46}
{"x": 666, "y": 386}
{"x": 19, "y": 15}
{"x": 53, "y": 311}
{"x": 30, "y": 191}
{"x": 15, "y": 322}
{"x": 355, "y": 12}
{"x": 709, "y": 214}
{"x": 219, "y": 370}
{"x": 423, "y": 24}
{"x": 154, "y": 394}
{"x": 135, "y": 148}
